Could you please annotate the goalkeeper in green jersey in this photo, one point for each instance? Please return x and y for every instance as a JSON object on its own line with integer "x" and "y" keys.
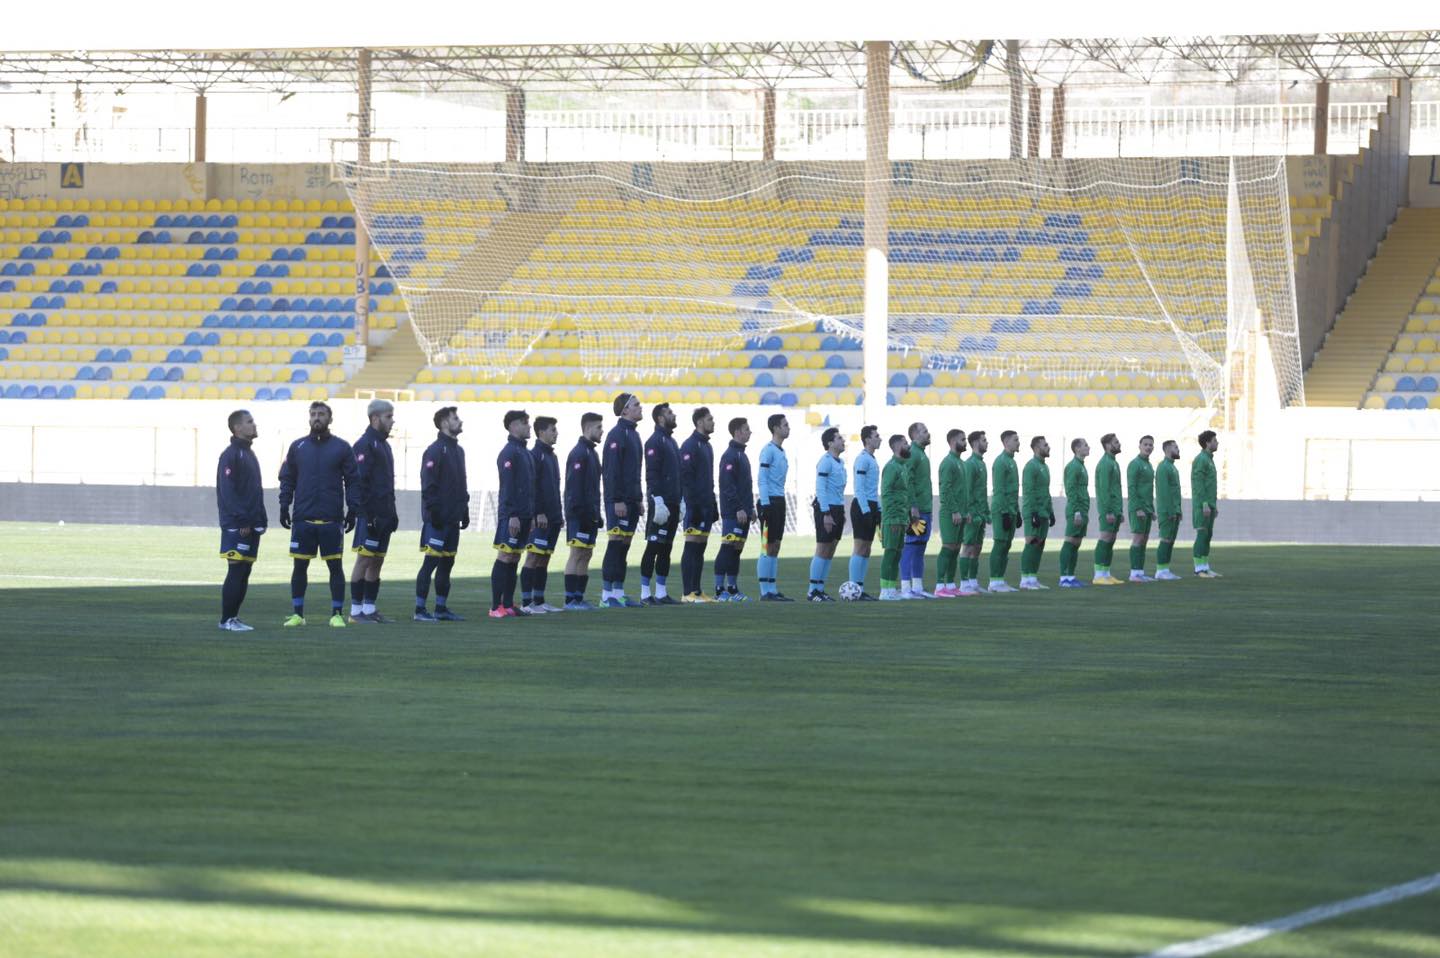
{"x": 1039, "y": 512}
{"x": 1004, "y": 509}
{"x": 1204, "y": 502}
{"x": 954, "y": 509}
{"x": 895, "y": 515}
{"x": 1167, "y": 508}
{"x": 1077, "y": 513}
{"x": 1140, "y": 481}
{"x": 1109, "y": 505}
{"x": 972, "y": 537}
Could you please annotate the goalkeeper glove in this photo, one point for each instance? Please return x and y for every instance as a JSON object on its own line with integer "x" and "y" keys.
{"x": 917, "y": 527}
{"x": 661, "y": 512}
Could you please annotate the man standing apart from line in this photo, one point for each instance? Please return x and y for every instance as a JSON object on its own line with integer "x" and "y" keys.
{"x": 1004, "y": 509}
{"x": 895, "y": 505}
{"x": 1039, "y": 512}
{"x": 318, "y": 477}
{"x": 830, "y": 475}
{"x": 544, "y": 536}
{"x": 514, "y": 514}
{"x": 378, "y": 518}
{"x": 1140, "y": 483}
{"x": 1204, "y": 502}
{"x": 922, "y": 501}
{"x": 1167, "y": 509}
{"x": 954, "y": 509}
{"x": 583, "y": 513}
{"x": 737, "y": 493}
{"x": 865, "y": 508}
{"x": 1110, "y": 508}
{"x": 702, "y": 511}
{"x": 774, "y": 467}
{"x": 624, "y": 452}
{"x": 241, "y": 502}
{"x": 662, "y": 481}
{"x": 972, "y": 538}
{"x": 444, "y": 511}
{"x": 1077, "y": 513}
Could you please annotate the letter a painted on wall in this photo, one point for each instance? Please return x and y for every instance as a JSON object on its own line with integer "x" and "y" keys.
{"x": 72, "y": 176}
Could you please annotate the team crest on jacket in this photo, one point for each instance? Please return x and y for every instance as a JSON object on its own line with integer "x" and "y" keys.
{"x": 649, "y": 452}
{"x": 614, "y": 445}
{"x": 507, "y": 463}
{"x": 360, "y": 458}
{"x": 430, "y": 464}
{"x": 227, "y": 470}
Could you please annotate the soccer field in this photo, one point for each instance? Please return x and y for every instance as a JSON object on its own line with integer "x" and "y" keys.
{"x": 1091, "y": 773}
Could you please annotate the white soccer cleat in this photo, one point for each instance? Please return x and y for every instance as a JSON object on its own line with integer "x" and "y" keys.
{"x": 1165, "y": 575}
{"x": 1032, "y": 586}
{"x": 550, "y": 608}
{"x": 235, "y": 625}
{"x": 1002, "y": 587}
{"x": 535, "y": 610}
{"x": 921, "y": 594}
{"x": 890, "y": 595}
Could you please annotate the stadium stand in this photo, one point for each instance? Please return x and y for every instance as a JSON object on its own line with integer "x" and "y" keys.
{"x": 1409, "y": 378}
{"x": 162, "y": 298}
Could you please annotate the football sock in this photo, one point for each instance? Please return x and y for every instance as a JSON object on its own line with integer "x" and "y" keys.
{"x": 512, "y": 575}
{"x": 299, "y": 580}
{"x": 422, "y": 581}
{"x": 527, "y": 577}
{"x": 497, "y": 584}
{"x": 538, "y": 575}
{"x": 859, "y": 566}
{"x": 890, "y": 567}
{"x": 337, "y": 585}
{"x": 690, "y": 567}
{"x": 357, "y": 596}
{"x": 1067, "y": 558}
{"x": 943, "y": 566}
{"x": 442, "y": 581}
{"x": 571, "y": 587}
{"x": 581, "y": 586}
{"x": 817, "y": 574}
{"x": 372, "y": 592}
{"x": 660, "y": 590}
{"x": 1137, "y": 559}
{"x": 1162, "y": 554}
{"x": 232, "y": 593}
{"x": 1202, "y": 547}
{"x": 999, "y": 559}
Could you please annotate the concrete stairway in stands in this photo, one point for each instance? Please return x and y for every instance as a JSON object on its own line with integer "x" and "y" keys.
{"x": 1374, "y": 315}
{"x": 391, "y": 366}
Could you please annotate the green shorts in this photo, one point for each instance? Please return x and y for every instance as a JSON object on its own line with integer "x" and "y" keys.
{"x": 1076, "y": 530}
{"x": 1170, "y": 527}
{"x": 1109, "y": 526}
{"x": 949, "y": 532}
{"x": 998, "y": 533}
{"x": 1138, "y": 526}
{"x": 974, "y": 532}
{"x": 892, "y": 535}
{"x": 1037, "y": 530}
{"x": 1201, "y": 523}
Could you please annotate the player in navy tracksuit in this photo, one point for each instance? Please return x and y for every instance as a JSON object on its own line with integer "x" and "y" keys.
{"x": 241, "y": 502}
{"x": 583, "y": 512}
{"x": 737, "y": 500}
{"x": 623, "y": 498}
{"x": 697, "y": 489}
{"x": 662, "y": 482}
{"x": 514, "y": 513}
{"x": 319, "y": 478}
{"x": 378, "y": 519}
{"x": 445, "y": 510}
{"x": 543, "y": 536}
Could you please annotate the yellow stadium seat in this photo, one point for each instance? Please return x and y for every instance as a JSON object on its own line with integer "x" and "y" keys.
{"x": 1374, "y": 402}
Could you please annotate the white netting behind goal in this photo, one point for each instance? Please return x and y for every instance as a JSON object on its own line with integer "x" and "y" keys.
{"x": 1071, "y": 277}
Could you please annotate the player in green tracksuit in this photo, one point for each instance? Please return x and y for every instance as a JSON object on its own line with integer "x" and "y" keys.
{"x": 954, "y": 507}
{"x": 1167, "y": 508}
{"x": 1039, "y": 512}
{"x": 972, "y": 537}
{"x": 894, "y": 514}
{"x": 1004, "y": 509}
{"x": 922, "y": 504}
{"x": 1109, "y": 505}
{"x": 1204, "y": 502}
{"x": 1077, "y": 513}
{"x": 1140, "y": 483}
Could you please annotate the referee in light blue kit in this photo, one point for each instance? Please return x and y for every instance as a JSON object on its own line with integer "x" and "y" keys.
{"x": 865, "y": 508}
{"x": 770, "y": 506}
{"x": 829, "y": 511}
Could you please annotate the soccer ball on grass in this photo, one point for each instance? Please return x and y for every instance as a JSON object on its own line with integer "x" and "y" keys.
{"x": 850, "y": 591}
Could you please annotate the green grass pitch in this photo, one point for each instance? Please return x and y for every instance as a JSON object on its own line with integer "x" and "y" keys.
{"x": 1095, "y": 773}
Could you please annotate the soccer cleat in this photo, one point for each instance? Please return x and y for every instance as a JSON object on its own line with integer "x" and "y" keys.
{"x": 295, "y": 620}
{"x": 1072, "y": 584}
{"x": 967, "y": 593}
{"x": 518, "y": 612}
{"x": 1165, "y": 575}
{"x": 1142, "y": 577}
{"x": 775, "y": 597}
{"x": 738, "y": 596}
{"x": 497, "y": 614}
{"x": 628, "y": 603}
{"x": 579, "y": 606}
{"x": 698, "y": 598}
{"x": 1032, "y": 587}
{"x": 818, "y": 597}
{"x": 667, "y": 600}
{"x": 510, "y": 612}
{"x": 1208, "y": 574}
{"x": 649, "y": 600}
{"x": 890, "y": 595}
{"x": 547, "y": 607}
{"x": 1002, "y": 587}
{"x": 337, "y": 621}
{"x": 362, "y": 619}
{"x": 235, "y": 625}
{"x": 534, "y": 609}
{"x": 866, "y": 597}
{"x": 445, "y": 615}
{"x": 611, "y": 603}
{"x": 922, "y": 594}
{"x": 1107, "y": 580}
{"x": 422, "y": 616}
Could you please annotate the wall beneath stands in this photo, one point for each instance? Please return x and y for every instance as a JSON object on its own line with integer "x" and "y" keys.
{"x": 1425, "y": 181}
{"x": 203, "y": 181}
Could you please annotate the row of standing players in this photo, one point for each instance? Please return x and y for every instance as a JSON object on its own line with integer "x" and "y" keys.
{"x": 328, "y": 487}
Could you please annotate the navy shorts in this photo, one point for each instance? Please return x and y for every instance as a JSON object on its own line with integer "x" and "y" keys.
{"x": 368, "y": 543}
{"x": 622, "y": 527}
{"x": 542, "y": 541}
{"x": 656, "y": 532}
{"x": 505, "y": 542}
{"x": 694, "y": 524}
{"x": 443, "y": 541}
{"x": 240, "y": 548}
{"x": 732, "y": 531}
{"x": 310, "y": 539}
{"x": 581, "y": 533}
{"x": 864, "y": 524}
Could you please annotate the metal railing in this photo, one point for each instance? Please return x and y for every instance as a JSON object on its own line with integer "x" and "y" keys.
{"x": 723, "y": 135}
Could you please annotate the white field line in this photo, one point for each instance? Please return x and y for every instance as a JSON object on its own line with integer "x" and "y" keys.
{"x": 99, "y": 578}
{"x": 1245, "y": 934}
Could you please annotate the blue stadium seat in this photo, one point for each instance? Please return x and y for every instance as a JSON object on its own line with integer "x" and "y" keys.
{"x": 104, "y": 374}
{"x": 12, "y": 391}
{"x": 67, "y": 391}
{"x": 900, "y": 380}
{"x": 263, "y": 394}
{"x": 85, "y": 374}
{"x": 192, "y": 356}
{"x": 788, "y": 399}
{"x": 764, "y": 380}
{"x": 839, "y": 380}
{"x": 299, "y": 357}
{"x": 1426, "y": 384}
{"x": 299, "y": 376}
{"x": 923, "y": 380}
{"x": 30, "y": 391}
{"x": 1405, "y": 384}
{"x": 156, "y": 374}
{"x": 282, "y": 392}
{"x": 317, "y": 339}
{"x": 175, "y": 356}
{"x": 835, "y": 362}
{"x": 1418, "y": 402}
{"x": 105, "y": 355}
{"x": 770, "y": 399}
{"x": 123, "y": 354}
{"x": 49, "y": 392}
{"x": 174, "y": 374}
{"x": 779, "y": 361}
{"x": 334, "y": 339}
{"x": 211, "y": 339}
{"x": 155, "y": 392}
{"x": 1395, "y": 402}
{"x": 4, "y": 354}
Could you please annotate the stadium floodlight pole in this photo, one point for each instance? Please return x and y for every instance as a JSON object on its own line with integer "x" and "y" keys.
{"x": 877, "y": 224}
{"x": 362, "y": 238}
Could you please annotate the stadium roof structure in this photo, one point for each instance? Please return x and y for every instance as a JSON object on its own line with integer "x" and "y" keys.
{"x": 916, "y": 65}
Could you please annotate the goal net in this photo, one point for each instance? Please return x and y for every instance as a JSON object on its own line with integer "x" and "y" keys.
{"x": 1071, "y": 280}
